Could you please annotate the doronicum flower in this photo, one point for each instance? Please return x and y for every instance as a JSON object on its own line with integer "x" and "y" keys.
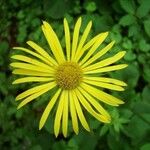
{"x": 76, "y": 74}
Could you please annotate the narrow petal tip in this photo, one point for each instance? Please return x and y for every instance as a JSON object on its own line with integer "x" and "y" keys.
{"x": 40, "y": 126}
{"x": 18, "y": 107}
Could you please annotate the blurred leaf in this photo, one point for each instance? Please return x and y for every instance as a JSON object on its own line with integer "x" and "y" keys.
{"x": 147, "y": 27}
{"x": 143, "y": 9}
{"x": 127, "y": 20}
{"x": 146, "y": 94}
{"x": 104, "y": 130}
{"x": 146, "y": 74}
{"x": 144, "y": 46}
{"x": 59, "y": 145}
{"x": 130, "y": 56}
{"x": 72, "y": 144}
{"x": 128, "y": 6}
{"x": 57, "y": 9}
{"x": 127, "y": 44}
{"x": 145, "y": 146}
{"x": 36, "y": 147}
{"x": 90, "y": 6}
{"x": 137, "y": 129}
{"x": 134, "y": 30}
{"x": 141, "y": 107}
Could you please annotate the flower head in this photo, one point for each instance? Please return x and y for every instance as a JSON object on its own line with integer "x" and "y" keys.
{"x": 74, "y": 71}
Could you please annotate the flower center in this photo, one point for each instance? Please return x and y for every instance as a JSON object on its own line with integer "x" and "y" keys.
{"x": 68, "y": 75}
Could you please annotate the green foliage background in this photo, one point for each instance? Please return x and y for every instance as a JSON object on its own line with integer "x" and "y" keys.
{"x": 129, "y": 24}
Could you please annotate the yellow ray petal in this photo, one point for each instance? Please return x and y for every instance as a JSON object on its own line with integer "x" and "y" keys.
{"x": 88, "y": 107}
{"x": 33, "y": 54}
{"x": 107, "y": 80}
{"x": 86, "y": 47}
{"x": 94, "y": 47}
{"x": 83, "y": 39}
{"x": 102, "y": 96}
{"x": 99, "y": 54}
{"x": 107, "y": 69}
{"x": 35, "y": 95}
{"x": 75, "y": 37}
{"x": 73, "y": 114}
{"x": 31, "y": 61}
{"x": 95, "y": 104}
{"x": 30, "y": 72}
{"x": 48, "y": 109}
{"x": 31, "y": 67}
{"x": 105, "y": 62}
{"x": 65, "y": 115}
{"x": 67, "y": 38}
{"x": 32, "y": 79}
{"x": 41, "y": 51}
{"x": 104, "y": 85}
{"x": 79, "y": 112}
{"x": 53, "y": 42}
{"x": 35, "y": 90}
{"x": 59, "y": 113}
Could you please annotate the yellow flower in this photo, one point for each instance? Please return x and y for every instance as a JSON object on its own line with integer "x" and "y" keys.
{"x": 73, "y": 72}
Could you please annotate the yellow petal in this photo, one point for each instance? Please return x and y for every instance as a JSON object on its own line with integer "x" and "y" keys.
{"x": 31, "y": 67}
{"x": 48, "y": 109}
{"x": 105, "y": 62}
{"x": 104, "y": 85}
{"x": 94, "y": 47}
{"x": 59, "y": 113}
{"x": 65, "y": 115}
{"x": 30, "y": 72}
{"x": 32, "y": 79}
{"x": 86, "y": 47}
{"x": 35, "y": 90}
{"x": 83, "y": 39}
{"x": 35, "y": 95}
{"x": 53, "y": 42}
{"x": 99, "y": 54}
{"x": 88, "y": 107}
{"x": 102, "y": 96}
{"x": 41, "y": 51}
{"x": 79, "y": 112}
{"x": 107, "y": 69}
{"x": 107, "y": 80}
{"x": 73, "y": 114}
{"x": 67, "y": 38}
{"x": 95, "y": 104}
{"x": 31, "y": 61}
{"x": 33, "y": 54}
{"x": 75, "y": 37}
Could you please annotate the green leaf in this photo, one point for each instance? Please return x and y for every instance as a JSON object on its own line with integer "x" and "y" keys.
{"x": 130, "y": 56}
{"x": 72, "y": 144}
{"x": 141, "y": 107}
{"x": 127, "y": 44}
{"x": 127, "y": 20}
{"x": 146, "y": 74}
{"x": 104, "y": 130}
{"x": 128, "y": 6}
{"x": 144, "y": 46}
{"x": 147, "y": 27}
{"x": 146, "y": 94}
{"x": 56, "y": 9}
{"x": 143, "y": 9}
{"x": 145, "y": 146}
{"x": 134, "y": 30}
{"x": 137, "y": 129}
{"x": 90, "y": 6}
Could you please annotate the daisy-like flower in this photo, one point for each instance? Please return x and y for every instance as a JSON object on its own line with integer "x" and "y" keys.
{"x": 75, "y": 72}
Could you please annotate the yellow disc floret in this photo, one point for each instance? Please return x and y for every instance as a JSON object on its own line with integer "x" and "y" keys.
{"x": 68, "y": 75}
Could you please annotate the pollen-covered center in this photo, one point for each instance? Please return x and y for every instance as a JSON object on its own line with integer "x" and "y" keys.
{"x": 68, "y": 75}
